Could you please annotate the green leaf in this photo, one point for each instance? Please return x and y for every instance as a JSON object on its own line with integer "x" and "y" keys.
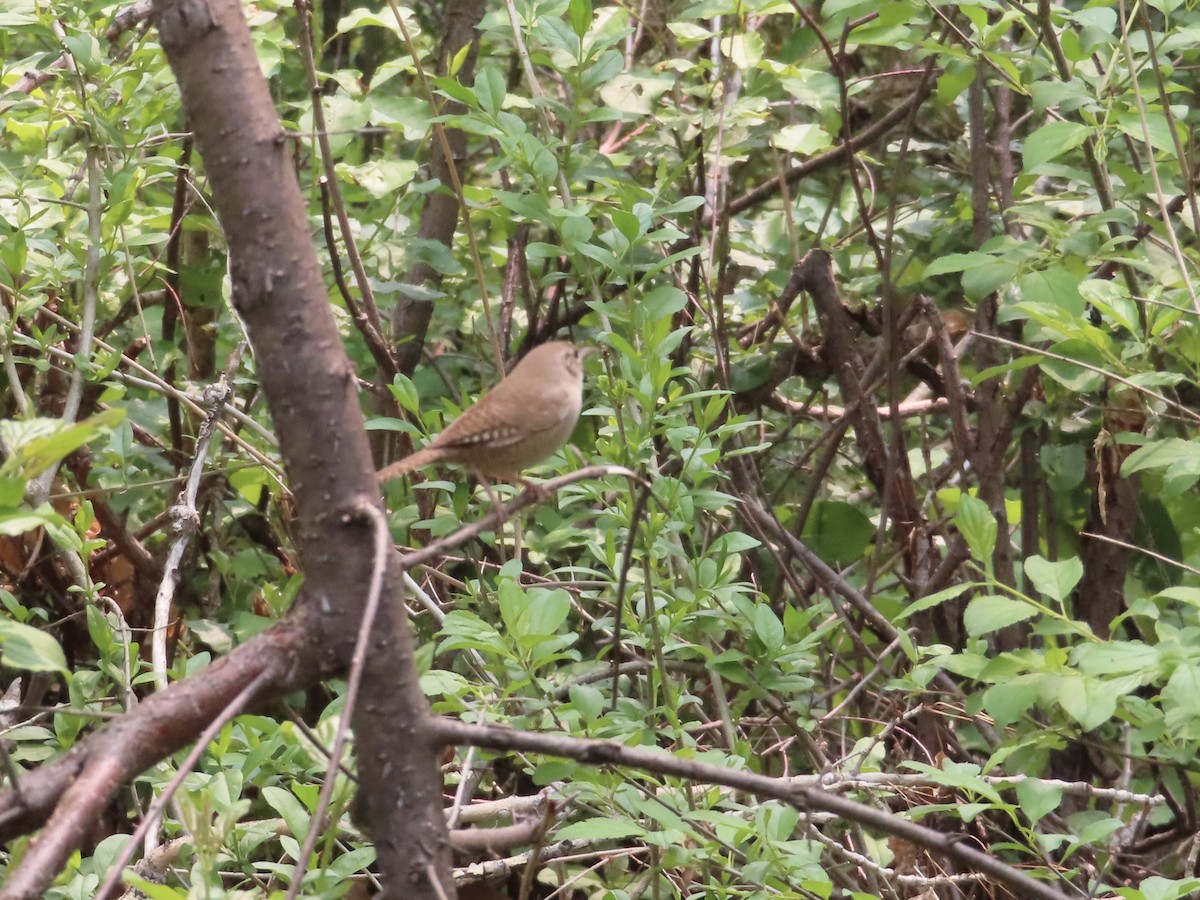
{"x": 14, "y": 251}
{"x": 684, "y": 205}
{"x": 1189, "y": 595}
{"x": 1055, "y": 287}
{"x": 1037, "y": 798}
{"x": 84, "y": 48}
{"x": 558, "y": 35}
{"x": 544, "y": 166}
{"x": 587, "y": 700}
{"x": 1173, "y": 453}
{"x": 465, "y": 630}
{"x": 1111, "y": 299}
{"x": 664, "y": 300}
{"x": 406, "y": 393}
{"x": 107, "y": 851}
{"x": 605, "y": 257}
{"x": 1082, "y": 379}
{"x": 731, "y": 665}
{"x": 1051, "y": 141}
{"x": 1157, "y": 129}
{"x": 733, "y": 542}
{"x": 980, "y": 281}
{"x": 28, "y": 648}
{"x": 22, "y": 521}
{"x": 1054, "y": 579}
{"x": 12, "y": 491}
{"x": 533, "y": 613}
{"x": 456, "y": 91}
{"x": 1088, "y": 701}
{"x": 1017, "y": 365}
{"x": 804, "y": 139}
{"x": 514, "y": 604}
{"x": 579, "y": 13}
{"x": 744, "y": 50}
{"x": 838, "y": 532}
{"x": 290, "y": 809}
{"x": 490, "y": 89}
{"x": 991, "y": 612}
{"x": 768, "y": 628}
{"x": 1180, "y": 712}
{"x": 629, "y": 225}
{"x": 380, "y": 177}
{"x": 101, "y": 627}
{"x": 357, "y": 860}
{"x": 362, "y": 17}
{"x": 978, "y": 527}
{"x": 606, "y": 829}
{"x": 1117, "y": 658}
{"x": 38, "y": 444}
{"x": 456, "y": 63}
{"x": 963, "y": 776}
{"x": 1156, "y": 887}
{"x": 1064, "y": 465}
{"x": 957, "y": 262}
{"x": 932, "y": 600}
{"x": 1009, "y": 701}
{"x": 1067, "y": 97}
{"x": 954, "y": 82}
{"x": 575, "y": 229}
{"x": 530, "y": 206}
{"x": 549, "y": 610}
{"x": 1097, "y": 826}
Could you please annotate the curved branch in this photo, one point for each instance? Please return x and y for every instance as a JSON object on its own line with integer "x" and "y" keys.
{"x": 831, "y": 157}
{"x": 69, "y": 793}
{"x": 600, "y": 752}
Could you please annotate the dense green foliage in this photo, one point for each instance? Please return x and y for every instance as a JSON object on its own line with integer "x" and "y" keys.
{"x": 613, "y": 155}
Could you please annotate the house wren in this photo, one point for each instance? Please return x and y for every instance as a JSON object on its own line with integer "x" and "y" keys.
{"x": 524, "y": 419}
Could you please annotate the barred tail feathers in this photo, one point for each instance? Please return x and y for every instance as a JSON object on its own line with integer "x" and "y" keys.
{"x": 410, "y": 462}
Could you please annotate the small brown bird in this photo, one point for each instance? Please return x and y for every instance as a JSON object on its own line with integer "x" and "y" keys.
{"x": 524, "y": 419}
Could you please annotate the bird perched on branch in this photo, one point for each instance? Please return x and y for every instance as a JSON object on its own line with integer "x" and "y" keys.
{"x": 525, "y": 418}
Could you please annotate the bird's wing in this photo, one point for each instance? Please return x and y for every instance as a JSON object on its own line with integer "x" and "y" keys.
{"x": 506, "y": 418}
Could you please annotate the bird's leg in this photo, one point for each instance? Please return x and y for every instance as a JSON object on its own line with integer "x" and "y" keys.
{"x": 494, "y": 499}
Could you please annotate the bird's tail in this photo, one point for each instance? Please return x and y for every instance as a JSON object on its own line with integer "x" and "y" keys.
{"x": 406, "y": 465}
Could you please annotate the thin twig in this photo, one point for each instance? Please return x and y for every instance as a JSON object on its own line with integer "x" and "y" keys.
{"x": 635, "y": 518}
{"x": 236, "y": 705}
{"x": 304, "y": 14}
{"x": 382, "y": 546}
{"x": 185, "y": 519}
{"x": 439, "y": 135}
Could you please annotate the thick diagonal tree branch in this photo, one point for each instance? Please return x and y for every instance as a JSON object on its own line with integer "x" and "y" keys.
{"x": 76, "y": 788}
{"x": 310, "y": 388}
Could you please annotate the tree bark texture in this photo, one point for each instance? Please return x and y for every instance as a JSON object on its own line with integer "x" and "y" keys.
{"x": 310, "y": 389}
